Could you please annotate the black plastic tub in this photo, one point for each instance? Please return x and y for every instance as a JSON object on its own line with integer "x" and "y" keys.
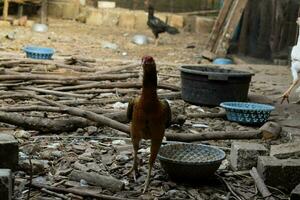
{"x": 213, "y": 85}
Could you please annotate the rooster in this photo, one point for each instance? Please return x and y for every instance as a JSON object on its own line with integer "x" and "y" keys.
{"x": 158, "y": 26}
{"x": 149, "y": 117}
{"x": 295, "y": 68}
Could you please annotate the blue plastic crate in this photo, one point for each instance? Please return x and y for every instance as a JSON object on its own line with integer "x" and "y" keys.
{"x": 36, "y": 52}
{"x": 247, "y": 113}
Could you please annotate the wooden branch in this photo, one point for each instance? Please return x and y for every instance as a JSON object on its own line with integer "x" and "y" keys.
{"x": 76, "y": 68}
{"x": 51, "y": 109}
{"x": 119, "y": 68}
{"x": 78, "y": 192}
{"x": 114, "y": 85}
{"x": 26, "y": 77}
{"x": 44, "y": 124}
{"x": 260, "y": 184}
{"x": 107, "y": 182}
{"x": 56, "y": 93}
{"x": 85, "y": 114}
{"x": 220, "y": 135}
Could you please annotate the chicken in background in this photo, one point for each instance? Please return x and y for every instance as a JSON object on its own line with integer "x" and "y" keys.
{"x": 295, "y": 68}
{"x": 158, "y": 26}
{"x": 149, "y": 117}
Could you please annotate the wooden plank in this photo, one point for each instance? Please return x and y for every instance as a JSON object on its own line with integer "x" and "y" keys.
{"x": 233, "y": 20}
{"x": 218, "y": 25}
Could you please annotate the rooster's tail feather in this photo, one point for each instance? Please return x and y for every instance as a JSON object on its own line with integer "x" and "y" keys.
{"x": 172, "y": 30}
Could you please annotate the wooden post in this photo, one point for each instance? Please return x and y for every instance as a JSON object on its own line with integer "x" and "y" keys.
{"x": 5, "y": 9}
{"x": 44, "y": 14}
{"x": 20, "y": 10}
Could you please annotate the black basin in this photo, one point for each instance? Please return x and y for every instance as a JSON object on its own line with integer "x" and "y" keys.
{"x": 211, "y": 86}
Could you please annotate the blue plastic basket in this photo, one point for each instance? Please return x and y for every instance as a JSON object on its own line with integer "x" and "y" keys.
{"x": 36, "y": 52}
{"x": 222, "y": 61}
{"x": 247, "y": 113}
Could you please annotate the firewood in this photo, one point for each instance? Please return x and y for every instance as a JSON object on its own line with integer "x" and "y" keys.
{"x": 26, "y": 77}
{"x": 100, "y": 119}
{"x": 57, "y": 93}
{"x": 78, "y": 192}
{"x": 44, "y": 124}
{"x": 115, "y": 85}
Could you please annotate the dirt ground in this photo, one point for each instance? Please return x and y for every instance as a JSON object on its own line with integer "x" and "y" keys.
{"x": 70, "y": 38}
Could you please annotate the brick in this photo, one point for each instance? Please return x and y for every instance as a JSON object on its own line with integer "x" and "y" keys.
{"x": 204, "y": 24}
{"x": 279, "y": 173}
{"x": 243, "y": 155}
{"x": 288, "y": 150}
{"x": 6, "y": 185}
{"x": 295, "y": 195}
{"x": 176, "y": 21}
{"x": 141, "y": 20}
{"x": 8, "y": 146}
{"x": 127, "y": 20}
{"x": 4, "y": 23}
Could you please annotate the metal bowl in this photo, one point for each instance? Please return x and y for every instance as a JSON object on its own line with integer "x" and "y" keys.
{"x": 40, "y": 28}
{"x": 140, "y": 39}
{"x": 190, "y": 162}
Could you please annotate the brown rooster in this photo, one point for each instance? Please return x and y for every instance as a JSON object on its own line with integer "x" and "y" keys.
{"x": 149, "y": 117}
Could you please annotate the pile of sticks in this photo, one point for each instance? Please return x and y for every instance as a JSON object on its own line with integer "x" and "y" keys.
{"x": 78, "y": 87}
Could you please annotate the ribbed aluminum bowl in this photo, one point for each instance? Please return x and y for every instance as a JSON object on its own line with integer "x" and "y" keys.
{"x": 190, "y": 162}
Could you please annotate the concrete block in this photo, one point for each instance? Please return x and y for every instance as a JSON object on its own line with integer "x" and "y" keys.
{"x": 6, "y": 185}
{"x": 204, "y": 24}
{"x": 127, "y": 20}
{"x": 279, "y": 173}
{"x": 288, "y": 150}
{"x": 176, "y": 21}
{"x": 29, "y": 23}
{"x": 9, "y": 151}
{"x": 64, "y": 9}
{"x": 141, "y": 20}
{"x": 4, "y": 23}
{"x": 110, "y": 17}
{"x": 94, "y": 18}
{"x": 243, "y": 155}
{"x": 295, "y": 195}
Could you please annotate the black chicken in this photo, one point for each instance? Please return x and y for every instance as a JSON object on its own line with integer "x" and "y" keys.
{"x": 158, "y": 26}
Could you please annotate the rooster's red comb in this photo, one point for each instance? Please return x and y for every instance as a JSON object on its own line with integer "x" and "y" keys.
{"x": 147, "y": 60}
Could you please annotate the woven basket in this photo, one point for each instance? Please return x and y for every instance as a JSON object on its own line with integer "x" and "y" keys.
{"x": 43, "y": 53}
{"x": 184, "y": 161}
{"x": 247, "y": 113}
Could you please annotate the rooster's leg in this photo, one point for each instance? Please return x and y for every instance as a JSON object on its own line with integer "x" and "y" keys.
{"x": 134, "y": 167}
{"x": 156, "y": 41}
{"x": 155, "y": 145}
